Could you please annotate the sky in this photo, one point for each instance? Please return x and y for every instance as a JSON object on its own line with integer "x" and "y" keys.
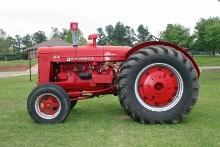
{"x": 28, "y": 16}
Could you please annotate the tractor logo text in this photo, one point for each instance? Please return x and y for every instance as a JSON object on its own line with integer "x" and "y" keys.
{"x": 68, "y": 59}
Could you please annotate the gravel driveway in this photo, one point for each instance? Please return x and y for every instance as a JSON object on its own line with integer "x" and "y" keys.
{"x": 34, "y": 70}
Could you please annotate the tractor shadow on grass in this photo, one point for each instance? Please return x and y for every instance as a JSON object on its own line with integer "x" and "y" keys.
{"x": 108, "y": 110}
{"x": 96, "y": 110}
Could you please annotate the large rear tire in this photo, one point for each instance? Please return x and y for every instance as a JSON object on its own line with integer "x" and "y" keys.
{"x": 48, "y": 104}
{"x": 158, "y": 84}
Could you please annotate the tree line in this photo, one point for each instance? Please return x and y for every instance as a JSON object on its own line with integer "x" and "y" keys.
{"x": 16, "y": 44}
{"x": 206, "y": 36}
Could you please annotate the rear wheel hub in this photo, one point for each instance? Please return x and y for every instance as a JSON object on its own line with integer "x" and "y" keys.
{"x": 158, "y": 87}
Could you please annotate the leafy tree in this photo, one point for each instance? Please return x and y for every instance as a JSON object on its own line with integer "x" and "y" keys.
{"x": 27, "y": 41}
{"x": 2, "y": 33}
{"x": 143, "y": 33}
{"x": 102, "y": 39}
{"x": 39, "y": 37}
{"x": 63, "y": 34}
{"x": 82, "y": 40}
{"x": 5, "y": 43}
{"x": 66, "y": 35}
{"x": 56, "y": 33}
{"x": 110, "y": 32}
{"x": 201, "y": 30}
{"x": 17, "y": 43}
{"x": 117, "y": 35}
{"x": 177, "y": 34}
{"x": 5, "y": 46}
{"x": 212, "y": 38}
{"x": 12, "y": 42}
{"x": 130, "y": 36}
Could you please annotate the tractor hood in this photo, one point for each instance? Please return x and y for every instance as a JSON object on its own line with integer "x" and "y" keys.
{"x": 112, "y": 53}
{"x": 85, "y": 53}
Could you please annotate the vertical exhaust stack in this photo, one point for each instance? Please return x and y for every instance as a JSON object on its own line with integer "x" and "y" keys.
{"x": 74, "y": 29}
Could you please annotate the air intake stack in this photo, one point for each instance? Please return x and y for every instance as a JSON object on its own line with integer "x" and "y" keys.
{"x": 74, "y": 29}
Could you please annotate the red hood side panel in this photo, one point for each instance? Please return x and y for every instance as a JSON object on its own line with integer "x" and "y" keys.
{"x": 84, "y": 53}
{"x": 72, "y": 54}
{"x": 115, "y": 53}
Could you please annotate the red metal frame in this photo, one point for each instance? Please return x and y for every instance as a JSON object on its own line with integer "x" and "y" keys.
{"x": 90, "y": 94}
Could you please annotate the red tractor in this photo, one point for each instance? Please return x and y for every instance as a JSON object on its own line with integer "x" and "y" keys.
{"x": 156, "y": 81}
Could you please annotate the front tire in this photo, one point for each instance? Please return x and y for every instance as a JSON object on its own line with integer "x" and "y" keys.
{"x": 158, "y": 84}
{"x": 73, "y": 104}
{"x": 48, "y": 104}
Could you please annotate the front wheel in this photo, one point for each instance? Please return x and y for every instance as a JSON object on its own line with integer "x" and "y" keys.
{"x": 73, "y": 103}
{"x": 158, "y": 85}
{"x": 48, "y": 104}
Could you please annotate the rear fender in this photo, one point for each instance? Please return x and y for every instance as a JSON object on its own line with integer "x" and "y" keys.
{"x": 152, "y": 43}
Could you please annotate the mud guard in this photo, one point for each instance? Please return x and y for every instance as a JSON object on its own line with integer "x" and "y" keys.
{"x": 153, "y": 43}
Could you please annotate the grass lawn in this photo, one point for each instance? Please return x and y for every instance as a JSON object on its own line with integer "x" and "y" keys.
{"x": 207, "y": 60}
{"x": 102, "y": 122}
{"x": 15, "y": 65}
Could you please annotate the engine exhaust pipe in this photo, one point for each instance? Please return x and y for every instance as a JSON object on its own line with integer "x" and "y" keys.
{"x": 75, "y": 37}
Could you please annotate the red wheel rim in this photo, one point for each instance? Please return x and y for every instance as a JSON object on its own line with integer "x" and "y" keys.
{"x": 47, "y": 106}
{"x": 158, "y": 86}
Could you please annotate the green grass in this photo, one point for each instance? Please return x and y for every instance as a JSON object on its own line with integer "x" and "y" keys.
{"x": 17, "y": 62}
{"x": 207, "y": 60}
{"x": 102, "y": 122}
